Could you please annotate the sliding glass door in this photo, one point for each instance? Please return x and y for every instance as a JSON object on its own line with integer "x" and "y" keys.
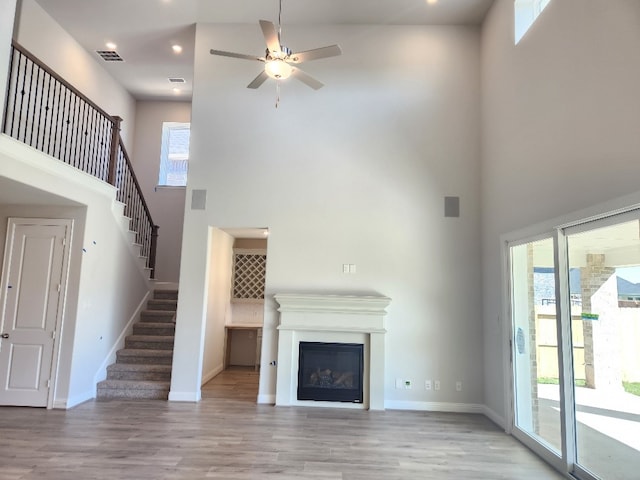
{"x": 534, "y": 352}
{"x": 606, "y": 258}
{"x": 575, "y": 311}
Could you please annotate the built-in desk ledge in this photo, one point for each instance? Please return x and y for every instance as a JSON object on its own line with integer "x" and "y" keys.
{"x": 248, "y": 300}
{"x": 357, "y": 319}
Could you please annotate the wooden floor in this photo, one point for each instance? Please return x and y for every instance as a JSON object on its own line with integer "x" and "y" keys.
{"x": 227, "y": 436}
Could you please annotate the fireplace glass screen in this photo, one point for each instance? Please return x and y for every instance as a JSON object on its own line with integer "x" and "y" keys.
{"x": 330, "y": 372}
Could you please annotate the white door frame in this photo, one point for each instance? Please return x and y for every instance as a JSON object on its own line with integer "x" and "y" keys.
{"x": 59, "y": 324}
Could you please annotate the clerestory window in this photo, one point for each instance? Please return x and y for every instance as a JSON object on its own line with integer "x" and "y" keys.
{"x": 526, "y": 12}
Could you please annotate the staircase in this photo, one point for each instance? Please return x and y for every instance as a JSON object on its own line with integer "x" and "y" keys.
{"x": 143, "y": 367}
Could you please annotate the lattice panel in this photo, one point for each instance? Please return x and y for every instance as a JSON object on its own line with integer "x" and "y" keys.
{"x": 248, "y": 281}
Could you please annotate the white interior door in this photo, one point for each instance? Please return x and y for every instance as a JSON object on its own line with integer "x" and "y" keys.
{"x": 33, "y": 287}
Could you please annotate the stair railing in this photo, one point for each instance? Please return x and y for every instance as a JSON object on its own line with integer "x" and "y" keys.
{"x": 47, "y": 113}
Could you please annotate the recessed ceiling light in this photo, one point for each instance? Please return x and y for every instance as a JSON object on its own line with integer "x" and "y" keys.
{"x": 432, "y": 2}
{"x": 111, "y": 45}
{"x": 176, "y": 91}
{"x": 176, "y": 48}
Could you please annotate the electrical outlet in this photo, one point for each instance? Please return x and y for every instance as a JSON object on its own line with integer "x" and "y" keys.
{"x": 407, "y": 384}
{"x": 428, "y": 385}
{"x": 436, "y": 385}
{"x": 458, "y": 386}
{"x": 399, "y": 383}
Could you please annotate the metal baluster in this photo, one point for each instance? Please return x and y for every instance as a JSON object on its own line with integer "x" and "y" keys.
{"x": 22, "y": 93}
{"x": 46, "y": 135}
{"x": 65, "y": 123}
{"x": 57, "y": 142}
{"x": 36, "y": 89}
{"x": 92, "y": 143}
{"x": 82, "y": 153}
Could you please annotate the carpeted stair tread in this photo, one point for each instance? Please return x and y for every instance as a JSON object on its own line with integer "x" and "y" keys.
{"x": 166, "y": 316}
{"x": 138, "y": 367}
{"x": 135, "y": 384}
{"x": 141, "y": 355}
{"x": 139, "y": 371}
{"x": 154, "y": 328}
{"x": 142, "y": 352}
{"x": 165, "y": 294}
{"x": 162, "y": 304}
{"x": 133, "y": 389}
{"x": 149, "y": 342}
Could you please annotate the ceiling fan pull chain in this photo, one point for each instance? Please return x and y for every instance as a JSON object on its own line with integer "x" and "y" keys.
{"x": 277, "y": 93}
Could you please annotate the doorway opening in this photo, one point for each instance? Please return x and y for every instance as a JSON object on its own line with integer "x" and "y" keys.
{"x": 237, "y": 265}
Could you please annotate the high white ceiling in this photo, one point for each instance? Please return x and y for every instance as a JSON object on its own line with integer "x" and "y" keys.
{"x": 144, "y": 30}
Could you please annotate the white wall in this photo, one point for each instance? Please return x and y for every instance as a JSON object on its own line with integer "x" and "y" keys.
{"x": 560, "y": 131}
{"x": 353, "y": 173}
{"x": 106, "y": 284}
{"x": 47, "y": 40}
{"x": 8, "y": 7}
{"x": 166, "y": 204}
{"x": 220, "y": 260}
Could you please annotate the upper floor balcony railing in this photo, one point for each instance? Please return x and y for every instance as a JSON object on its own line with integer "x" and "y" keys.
{"x": 45, "y": 112}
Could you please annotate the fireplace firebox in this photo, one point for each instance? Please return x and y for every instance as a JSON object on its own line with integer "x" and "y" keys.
{"x": 331, "y": 372}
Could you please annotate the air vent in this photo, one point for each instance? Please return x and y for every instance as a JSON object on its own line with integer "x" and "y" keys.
{"x": 177, "y": 80}
{"x": 110, "y": 55}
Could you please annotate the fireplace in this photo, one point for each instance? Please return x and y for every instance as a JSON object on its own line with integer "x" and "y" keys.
{"x": 330, "y": 372}
{"x": 334, "y": 320}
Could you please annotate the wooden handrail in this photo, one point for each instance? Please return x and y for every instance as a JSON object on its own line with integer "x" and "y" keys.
{"x": 125, "y": 155}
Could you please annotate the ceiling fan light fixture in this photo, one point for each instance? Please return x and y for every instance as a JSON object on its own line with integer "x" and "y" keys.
{"x": 278, "y": 69}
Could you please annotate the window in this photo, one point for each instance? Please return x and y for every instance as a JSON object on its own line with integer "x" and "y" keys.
{"x": 526, "y": 12}
{"x": 174, "y": 154}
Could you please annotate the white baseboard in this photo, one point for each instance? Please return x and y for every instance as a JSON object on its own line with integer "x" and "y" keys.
{"x": 66, "y": 403}
{"x": 494, "y": 417}
{"x": 434, "y": 406}
{"x": 185, "y": 396}
{"x": 213, "y": 373}
{"x": 266, "y": 399}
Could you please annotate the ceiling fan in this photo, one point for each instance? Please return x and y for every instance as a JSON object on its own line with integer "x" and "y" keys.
{"x": 279, "y": 61}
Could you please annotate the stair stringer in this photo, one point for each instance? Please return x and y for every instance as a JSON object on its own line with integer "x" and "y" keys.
{"x": 101, "y": 374}
{"x": 124, "y": 223}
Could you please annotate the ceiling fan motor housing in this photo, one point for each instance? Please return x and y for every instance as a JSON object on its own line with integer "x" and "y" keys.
{"x": 283, "y": 54}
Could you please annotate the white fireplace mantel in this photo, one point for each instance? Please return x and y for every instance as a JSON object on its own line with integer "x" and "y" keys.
{"x": 331, "y": 318}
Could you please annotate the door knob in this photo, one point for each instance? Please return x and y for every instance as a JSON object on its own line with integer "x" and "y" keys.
{"x": 4, "y": 335}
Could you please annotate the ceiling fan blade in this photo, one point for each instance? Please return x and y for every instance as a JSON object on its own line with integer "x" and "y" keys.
{"x": 306, "y": 78}
{"x": 259, "y": 80}
{"x": 270, "y": 35}
{"x": 315, "y": 54}
{"x": 235, "y": 55}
